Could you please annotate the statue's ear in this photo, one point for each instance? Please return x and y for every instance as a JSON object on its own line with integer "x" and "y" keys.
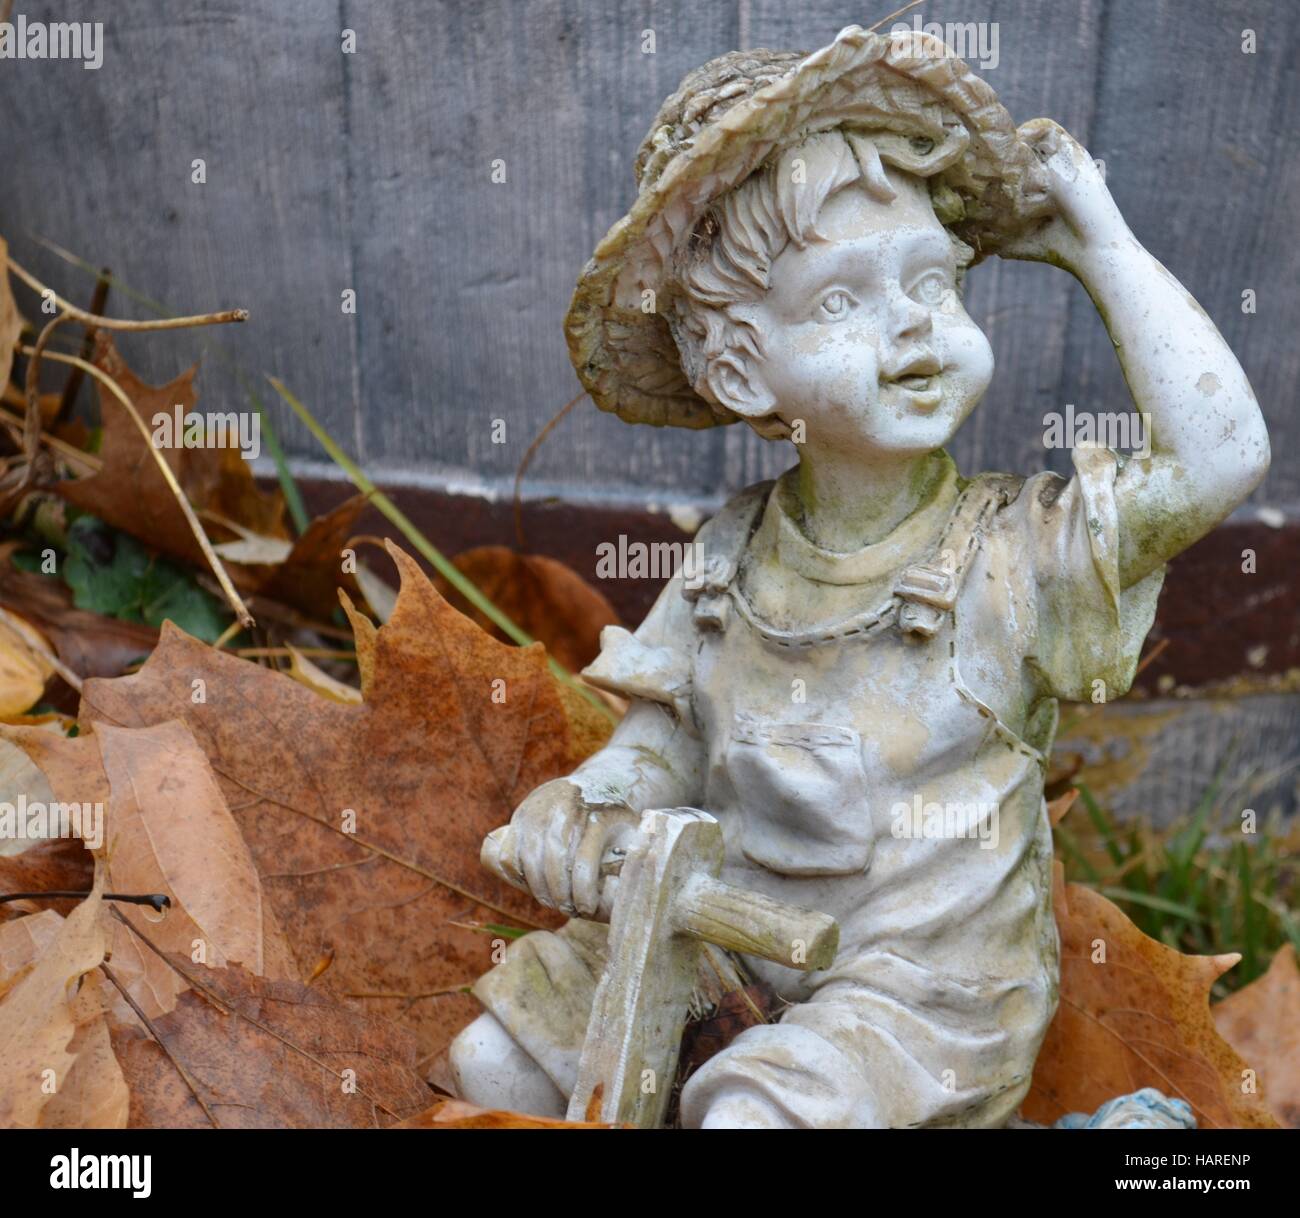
{"x": 737, "y": 383}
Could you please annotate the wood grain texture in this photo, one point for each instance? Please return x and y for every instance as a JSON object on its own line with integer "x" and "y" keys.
{"x": 372, "y": 171}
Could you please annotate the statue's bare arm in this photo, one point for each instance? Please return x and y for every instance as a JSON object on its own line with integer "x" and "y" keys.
{"x": 1207, "y": 439}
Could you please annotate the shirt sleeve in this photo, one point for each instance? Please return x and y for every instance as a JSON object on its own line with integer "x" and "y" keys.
{"x": 655, "y": 756}
{"x": 653, "y": 662}
{"x": 1089, "y": 628}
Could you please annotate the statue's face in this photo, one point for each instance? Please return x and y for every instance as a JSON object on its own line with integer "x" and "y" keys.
{"x": 865, "y": 338}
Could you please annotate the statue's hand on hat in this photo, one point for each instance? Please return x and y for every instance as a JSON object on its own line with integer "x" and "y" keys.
{"x": 1083, "y": 215}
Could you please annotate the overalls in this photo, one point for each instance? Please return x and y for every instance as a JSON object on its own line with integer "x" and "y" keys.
{"x": 885, "y": 768}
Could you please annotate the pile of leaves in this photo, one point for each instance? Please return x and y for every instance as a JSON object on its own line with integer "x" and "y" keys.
{"x": 278, "y": 919}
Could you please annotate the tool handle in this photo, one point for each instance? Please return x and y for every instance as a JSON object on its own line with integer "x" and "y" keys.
{"x": 756, "y": 925}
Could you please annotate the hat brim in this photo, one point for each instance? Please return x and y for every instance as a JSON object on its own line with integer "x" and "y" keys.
{"x": 909, "y": 84}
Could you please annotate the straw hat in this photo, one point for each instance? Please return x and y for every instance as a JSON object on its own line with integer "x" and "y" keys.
{"x": 929, "y": 113}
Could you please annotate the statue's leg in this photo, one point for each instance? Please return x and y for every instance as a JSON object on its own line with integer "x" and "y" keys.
{"x": 492, "y": 1070}
{"x": 522, "y": 1053}
{"x": 880, "y": 1044}
{"x": 777, "y": 1076}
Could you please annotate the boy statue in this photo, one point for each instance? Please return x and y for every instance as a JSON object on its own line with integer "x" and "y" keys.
{"x": 860, "y": 682}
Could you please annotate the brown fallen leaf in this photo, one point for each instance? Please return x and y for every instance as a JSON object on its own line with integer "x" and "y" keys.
{"x": 456, "y": 1114}
{"x": 736, "y": 1011}
{"x": 309, "y": 579}
{"x": 263, "y": 1054}
{"x": 58, "y": 865}
{"x": 1139, "y": 1019}
{"x": 366, "y": 821}
{"x": 23, "y": 942}
{"x": 222, "y": 481}
{"x": 1261, "y": 1021}
{"x": 94, "y": 1095}
{"x": 246, "y": 523}
{"x": 165, "y": 829}
{"x": 90, "y": 644}
{"x": 130, "y": 493}
{"x": 23, "y": 672}
{"x": 548, "y": 600}
{"x": 37, "y": 1017}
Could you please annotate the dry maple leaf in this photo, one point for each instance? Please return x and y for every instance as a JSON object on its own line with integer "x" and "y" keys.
{"x": 1140, "y": 1017}
{"x": 546, "y": 599}
{"x": 23, "y": 671}
{"x": 23, "y": 942}
{"x": 1261, "y": 1021}
{"x": 166, "y": 829}
{"x": 366, "y": 821}
{"x": 40, "y": 1017}
{"x": 92, "y": 1093}
{"x": 245, "y": 1052}
{"x": 310, "y": 577}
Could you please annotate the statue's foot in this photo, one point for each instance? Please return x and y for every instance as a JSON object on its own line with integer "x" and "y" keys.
{"x": 492, "y": 1071}
{"x": 1145, "y": 1109}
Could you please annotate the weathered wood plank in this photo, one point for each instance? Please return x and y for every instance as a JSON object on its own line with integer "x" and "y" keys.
{"x": 373, "y": 171}
{"x": 1201, "y": 147}
{"x": 100, "y": 162}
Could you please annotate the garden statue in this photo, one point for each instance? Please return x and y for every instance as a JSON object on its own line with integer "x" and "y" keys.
{"x": 830, "y": 776}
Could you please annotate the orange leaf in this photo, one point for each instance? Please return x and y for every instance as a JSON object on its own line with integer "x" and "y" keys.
{"x": 546, "y": 599}
{"x": 1262, "y": 1022}
{"x": 1134, "y": 1013}
{"x": 129, "y": 491}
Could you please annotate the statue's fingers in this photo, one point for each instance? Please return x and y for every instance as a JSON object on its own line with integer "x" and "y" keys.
{"x": 532, "y": 860}
{"x": 586, "y": 864}
{"x": 561, "y": 835}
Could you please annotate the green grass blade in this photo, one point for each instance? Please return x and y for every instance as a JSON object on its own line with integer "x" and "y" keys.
{"x": 1148, "y": 901}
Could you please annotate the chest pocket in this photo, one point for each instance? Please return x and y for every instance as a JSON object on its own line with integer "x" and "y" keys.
{"x": 802, "y": 793}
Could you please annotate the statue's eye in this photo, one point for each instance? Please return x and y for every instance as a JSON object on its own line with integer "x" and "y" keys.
{"x": 932, "y": 287}
{"x": 836, "y": 305}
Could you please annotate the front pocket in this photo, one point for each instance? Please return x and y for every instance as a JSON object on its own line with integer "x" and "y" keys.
{"x": 802, "y": 792}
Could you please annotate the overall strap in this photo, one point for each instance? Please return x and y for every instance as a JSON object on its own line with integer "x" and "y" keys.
{"x": 928, "y": 591}
{"x": 720, "y": 547}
